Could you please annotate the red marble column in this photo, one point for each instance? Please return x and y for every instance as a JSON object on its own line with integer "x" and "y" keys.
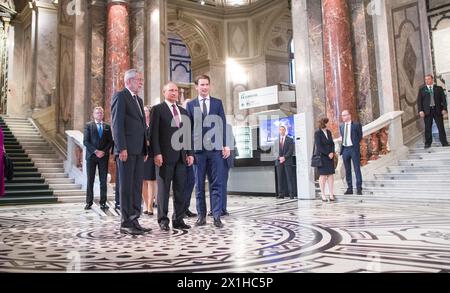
{"x": 117, "y": 50}
{"x": 338, "y": 61}
{"x": 117, "y": 57}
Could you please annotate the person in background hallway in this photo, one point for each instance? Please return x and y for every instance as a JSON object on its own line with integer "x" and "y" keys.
{"x": 128, "y": 124}
{"x": 284, "y": 163}
{"x": 210, "y": 146}
{"x": 2, "y": 165}
{"x": 190, "y": 182}
{"x": 432, "y": 104}
{"x": 167, "y": 120}
{"x": 98, "y": 142}
{"x": 325, "y": 147}
{"x": 352, "y": 134}
{"x": 149, "y": 186}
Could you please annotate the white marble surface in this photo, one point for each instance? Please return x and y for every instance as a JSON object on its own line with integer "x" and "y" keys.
{"x": 262, "y": 234}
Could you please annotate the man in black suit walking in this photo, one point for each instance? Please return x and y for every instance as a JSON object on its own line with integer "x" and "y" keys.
{"x": 171, "y": 155}
{"x": 128, "y": 125}
{"x": 284, "y": 163}
{"x": 432, "y": 104}
{"x": 351, "y": 133}
{"x": 98, "y": 141}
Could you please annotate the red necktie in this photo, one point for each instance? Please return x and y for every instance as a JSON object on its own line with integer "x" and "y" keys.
{"x": 176, "y": 116}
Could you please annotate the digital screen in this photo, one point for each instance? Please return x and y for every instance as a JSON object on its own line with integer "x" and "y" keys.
{"x": 269, "y": 129}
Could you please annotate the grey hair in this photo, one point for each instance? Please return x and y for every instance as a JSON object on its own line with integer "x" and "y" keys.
{"x": 129, "y": 74}
{"x": 98, "y": 108}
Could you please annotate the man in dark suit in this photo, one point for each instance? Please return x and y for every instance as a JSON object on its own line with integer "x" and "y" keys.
{"x": 98, "y": 141}
{"x": 128, "y": 124}
{"x": 209, "y": 141}
{"x": 284, "y": 163}
{"x": 432, "y": 104}
{"x": 351, "y": 133}
{"x": 167, "y": 120}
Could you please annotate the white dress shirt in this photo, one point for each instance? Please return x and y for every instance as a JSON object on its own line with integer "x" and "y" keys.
{"x": 208, "y": 99}
{"x": 169, "y": 104}
{"x": 349, "y": 134}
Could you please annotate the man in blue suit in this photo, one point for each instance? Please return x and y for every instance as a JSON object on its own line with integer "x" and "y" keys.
{"x": 351, "y": 133}
{"x": 209, "y": 143}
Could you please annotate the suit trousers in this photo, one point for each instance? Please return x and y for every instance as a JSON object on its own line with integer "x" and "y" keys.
{"x": 131, "y": 176}
{"x": 352, "y": 155}
{"x": 91, "y": 166}
{"x": 209, "y": 163}
{"x": 223, "y": 194}
{"x": 439, "y": 120}
{"x": 285, "y": 174}
{"x": 171, "y": 175}
{"x": 190, "y": 183}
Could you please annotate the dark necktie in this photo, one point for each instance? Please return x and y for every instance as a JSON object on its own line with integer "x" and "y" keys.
{"x": 176, "y": 116}
{"x": 137, "y": 103}
{"x": 204, "y": 108}
{"x": 432, "y": 103}
{"x": 100, "y": 130}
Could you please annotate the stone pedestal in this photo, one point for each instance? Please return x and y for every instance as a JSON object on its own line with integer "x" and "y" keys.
{"x": 339, "y": 73}
{"x": 117, "y": 50}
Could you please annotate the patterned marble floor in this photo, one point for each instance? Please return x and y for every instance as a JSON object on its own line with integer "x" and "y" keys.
{"x": 262, "y": 234}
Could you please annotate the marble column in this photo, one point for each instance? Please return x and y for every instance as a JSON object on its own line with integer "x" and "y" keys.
{"x": 117, "y": 50}
{"x": 304, "y": 98}
{"x": 339, "y": 72}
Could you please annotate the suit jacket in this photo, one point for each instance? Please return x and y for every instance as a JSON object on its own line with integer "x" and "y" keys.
{"x": 162, "y": 131}
{"x": 356, "y": 133}
{"x": 424, "y": 99}
{"x": 287, "y": 151}
{"x": 92, "y": 141}
{"x": 127, "y": 125}
{"x": 215, "y": 108}
{"x": 324, "y": 145}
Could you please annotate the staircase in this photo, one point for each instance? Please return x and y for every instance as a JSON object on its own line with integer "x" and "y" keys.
{"x": 45, "y": 160}
{"x": 422, "y": 177}
{"x": 28, "y": 186}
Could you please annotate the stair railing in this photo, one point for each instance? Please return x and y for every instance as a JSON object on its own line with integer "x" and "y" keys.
{"x": 380, "y": 138}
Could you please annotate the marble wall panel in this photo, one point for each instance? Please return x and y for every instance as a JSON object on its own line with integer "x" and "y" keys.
{"x": 137, "y": 23}
{"x": 238, "y": 39}
{"x": 364, "y": 62}
{"x": 66, "y": 84}
{"x": 46, "y": 62}
{"x": 409, "y": 63}
{"x": 97, "y": 55}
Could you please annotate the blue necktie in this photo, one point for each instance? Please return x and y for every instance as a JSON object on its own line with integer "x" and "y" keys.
{"x": 100, "y": 130}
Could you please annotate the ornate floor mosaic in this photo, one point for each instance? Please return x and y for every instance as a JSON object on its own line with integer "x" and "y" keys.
{"x": 261, "y": 235}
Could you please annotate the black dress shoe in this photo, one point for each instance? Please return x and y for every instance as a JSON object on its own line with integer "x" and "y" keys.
{"x": 180, "y": 225}
{"x": 218, "y": 223}
{"x": 130, "y": 231}
{"x": 201, "y": 221}
{"x": 349, "y": 191}
{"x": 427, "y": 146}
{"x": 280, "y": 196}
{"x": 225, "y": 213}
{"x": 445, "y": 144}
{"x": 145, "y": 213}
{"x": 164, "y": 226}
{"x": 140, "y": 228}
{"x": 88, "y": 206}
{"x": 190, "y": 214}
{"x": 291, "y": 196}
{"x": 359, "y": 192}
{"x": 103, "y": 206}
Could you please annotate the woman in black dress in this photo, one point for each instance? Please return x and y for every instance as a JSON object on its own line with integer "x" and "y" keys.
{"x": 325, "y": 147}
{"x": 149, "y": 184}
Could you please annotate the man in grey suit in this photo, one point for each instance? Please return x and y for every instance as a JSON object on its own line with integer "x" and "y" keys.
{"x": 128, "y": 124}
